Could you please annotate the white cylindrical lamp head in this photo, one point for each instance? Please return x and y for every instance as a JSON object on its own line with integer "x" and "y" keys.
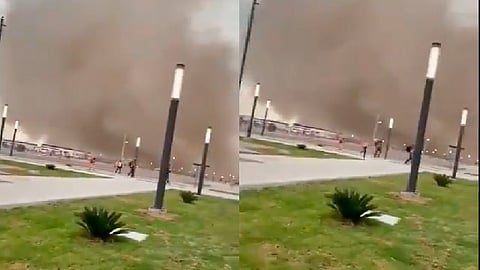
{"x": 178, "y": 81}
{"x": 208, "y": 135}
{"x": 433, "y": 60}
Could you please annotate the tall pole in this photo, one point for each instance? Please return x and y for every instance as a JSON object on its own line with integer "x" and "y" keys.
{"x": 4, "y": 119}
{"x": 267, "y": 107}
{"x": 135, "y": 161}
{"x": 375, "y": 128}
{"x": 252, "y": 116}
{"x": 13, "y": 138}
{"x": 168, "y": 141}
{"x": 389, "y": 135}
{"x": 122, "y": 154}
{"x": 422, "y": 122}
{"x": 463, "y": 123}
{"x": 203, "y": 166}
{"x": 2, "y": 24}
{"x": 247, "y": 41}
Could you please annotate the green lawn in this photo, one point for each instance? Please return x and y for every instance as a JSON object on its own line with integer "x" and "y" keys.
{"x": 200, "y": 236}
{"x": 25, "y": 169}
{"x": 292, "y": 228}
{"x": 273, "y": 148}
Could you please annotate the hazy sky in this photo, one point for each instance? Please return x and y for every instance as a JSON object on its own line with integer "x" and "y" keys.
{"x": 221, "y": 18}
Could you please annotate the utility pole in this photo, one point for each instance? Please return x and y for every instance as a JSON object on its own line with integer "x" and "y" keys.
{"x": 247, "y": 41}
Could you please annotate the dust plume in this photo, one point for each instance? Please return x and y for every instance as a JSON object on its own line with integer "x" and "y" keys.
{"x": 83, "y": 73}
{"x": 337, "y": 64}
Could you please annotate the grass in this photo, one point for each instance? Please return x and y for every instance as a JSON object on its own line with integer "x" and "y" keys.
{"x": 203, "y": 235}
{"x": 279, "y": 149}
{"x": 292, "y": 228}
{"x": 26, "y": 169}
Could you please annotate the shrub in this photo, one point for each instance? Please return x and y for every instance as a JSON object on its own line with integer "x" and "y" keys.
{"x": 100, "y": 224}
{"x": 50, "y": 166}
{"x": 301, "y": 146}
{"x": 188, "y": 197}
{"x": 352, "y": 206}
{"x": 442, "y": 180}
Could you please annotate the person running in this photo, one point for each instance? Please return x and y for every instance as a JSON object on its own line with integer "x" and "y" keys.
{"x": 340, "y": 143}
{"x": 92, "y": 164}
{"x": 378, "y": 149}
{"x": 409, "y": 150}
{"x": 132, "y": 164}
{"x": 118, "y": 166}
{"x": 364, "y": 150}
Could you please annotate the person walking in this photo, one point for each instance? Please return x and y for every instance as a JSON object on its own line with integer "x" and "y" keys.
{"x": 364, "y": 150}
{"x": 409, "y": 150}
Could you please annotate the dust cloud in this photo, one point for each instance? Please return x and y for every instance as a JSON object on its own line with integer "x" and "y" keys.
{"x": 337, "y": 64}
{"x": 83, "y": 73}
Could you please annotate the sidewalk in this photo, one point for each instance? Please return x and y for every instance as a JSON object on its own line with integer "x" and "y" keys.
{"x": 264, "y": 171}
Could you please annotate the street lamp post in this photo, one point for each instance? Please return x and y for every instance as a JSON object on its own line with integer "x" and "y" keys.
{"x": 15, "y": 129}
{"x": 2, "y": 24}
{"x": 375, "y": 128}
{"x": 267, "y": 107}
{"x": 463, "y": 123}
{"x": 4, "y": 119}
{"x": 252, "y": 116}
{"x": 201, "y": 177}
{"x": 422, "y": 122}
{"x": 389, "y": 135}
{"x": 247, "y": 41}
{"x": 135, "y": 161}
{"x": 168, "y": 141}
{"x": 122, "y": 154}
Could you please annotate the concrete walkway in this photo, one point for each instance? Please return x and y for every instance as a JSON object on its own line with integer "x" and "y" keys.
{"x": 262, "y": 171}
{"x": 18, "y": 191}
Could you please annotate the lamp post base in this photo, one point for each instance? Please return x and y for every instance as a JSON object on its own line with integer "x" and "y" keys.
{"x": 155, "y": 211}
{"x": 411, "y": 195}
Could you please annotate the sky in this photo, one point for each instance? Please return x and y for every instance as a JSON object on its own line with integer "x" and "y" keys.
{"x": 337, "y": 64}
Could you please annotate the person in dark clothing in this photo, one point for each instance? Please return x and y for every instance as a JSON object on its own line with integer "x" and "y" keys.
{"x": 378, "y": 149}
{"x": 364, "y": 150}
{"x": 409, "y": 150}
{"x": 132, "y": 164}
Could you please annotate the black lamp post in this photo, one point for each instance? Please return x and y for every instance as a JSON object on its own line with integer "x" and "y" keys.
{"x": 135, "y": 161}
{"x": 389, "y": 135}
{"x": 168, "y": 141}
{"x": 4, "y": 119}
{"x": 267, "y": 107}
{"x": 203, "y": 166}
{"x": 2, "y": 24}
{"x": 463, "y": 123}
{"x": 422, "y": 122}
{"x": 252, "y": 116}
{"x": 13, "y": 138}
{"x": 247, "y": 42}
{"x": 378, "y": 122}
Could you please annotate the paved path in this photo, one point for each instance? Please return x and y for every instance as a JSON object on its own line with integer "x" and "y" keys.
{"x": 30, "y": 190}
{"x": 261, "y": 171}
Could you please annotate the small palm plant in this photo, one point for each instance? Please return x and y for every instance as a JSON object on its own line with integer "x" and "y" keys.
{"x": 188, "y": 196}
{"x": 100, "y": 224}
{"x": 352, "y": 206}
{"x": 442, "y": 180}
